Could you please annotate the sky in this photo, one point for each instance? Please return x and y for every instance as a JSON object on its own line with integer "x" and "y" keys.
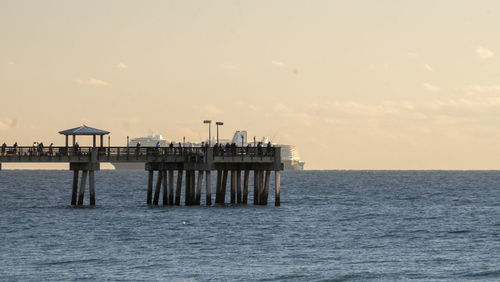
{"x": 354, "y": 84}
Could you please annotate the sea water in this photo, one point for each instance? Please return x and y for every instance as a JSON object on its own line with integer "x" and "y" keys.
{"x": 331, "y": 225}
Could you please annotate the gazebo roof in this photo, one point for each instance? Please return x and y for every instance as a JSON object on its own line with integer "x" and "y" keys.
{"x": 84, "y": 130}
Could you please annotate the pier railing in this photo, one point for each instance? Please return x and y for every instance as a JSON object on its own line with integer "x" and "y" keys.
{"x": 134, "y": 154}
{"x": 244, "y": 151}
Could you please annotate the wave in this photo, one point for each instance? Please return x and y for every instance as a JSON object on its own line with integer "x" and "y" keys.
{"x": 484, "y": 274}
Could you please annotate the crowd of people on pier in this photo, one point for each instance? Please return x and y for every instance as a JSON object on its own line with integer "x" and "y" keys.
{"x": 10, "y": 150}
{"x": 232, "y": 149}
{"x": 223, "y": 150}
{"x": 38, "y": 149}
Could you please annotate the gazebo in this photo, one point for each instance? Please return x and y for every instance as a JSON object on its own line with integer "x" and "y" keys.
{"x": 84, "y": 130}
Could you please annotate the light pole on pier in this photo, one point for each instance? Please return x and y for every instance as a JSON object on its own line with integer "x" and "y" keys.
{"x": 209, "y": 130}
{"x": 218, "y": 123}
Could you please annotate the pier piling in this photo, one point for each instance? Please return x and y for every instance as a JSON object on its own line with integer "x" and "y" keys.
{"x": 75, "y": 187}
{"x": 218, "y": 190}
{"x": 233, "y": 186}
{"x": 245, "y": 186}
{"x": 179, "y": 188}
{"x": 187, "y": 190}
{"x": 238, "y": 186}
{"x": 262, "y": 186}
{"x": 170, "y": 187}
{"x": 92, "y": 187}
{"x": 199, "y": 184}
{"x": 83, "y": 183}
{"x": 158, "y": 187}
{"x": 150, "y": 187}
{"x": 277, "y": 188}
{"x": 224, "y": 185}
{"x": 208, "y": 188}
{"x": 255, "y": 187}
{"x": 192, "y": 187}
{"x": 266, "y": 188}
{"x": 165, "y": 188}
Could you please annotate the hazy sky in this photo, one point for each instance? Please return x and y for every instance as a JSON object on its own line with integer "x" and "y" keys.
{"x": 353, "y": 84}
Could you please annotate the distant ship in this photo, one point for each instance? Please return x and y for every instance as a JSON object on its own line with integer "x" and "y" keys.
{"x": 289, "y": 154}
{"x": 290, "y": 157}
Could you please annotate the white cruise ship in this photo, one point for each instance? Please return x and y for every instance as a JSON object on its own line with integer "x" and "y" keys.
{"x": 148, "y": 141}
{"x": 289, "y": 154}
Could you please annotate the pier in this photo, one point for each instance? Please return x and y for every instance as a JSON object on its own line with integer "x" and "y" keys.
{"x": 168, "y": 168}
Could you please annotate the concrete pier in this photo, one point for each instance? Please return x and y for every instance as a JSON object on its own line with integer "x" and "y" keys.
{"x": 170, "y": 165}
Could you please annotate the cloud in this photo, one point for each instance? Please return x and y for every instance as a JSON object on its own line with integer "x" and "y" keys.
{"x": 122, "y": 66}
{"x": 228, "y": 67}
{"x": 92, "y": 81}
{"x": 430, "y": 87}
{"x": 11, "y": 63}
{"x": 278, "y": 64}
{"x": 470, "y": 104}
{"x": 281, "y": 108}
{"x": 428, "y": 67}
{"x": 208, "y": 109}
{"x": 483, "y": 88}
{"x": 7, "y": 124}
{"x": 253, "y": 108}
{"x": 412, "y": 54}
{"x": 484, "y": 53}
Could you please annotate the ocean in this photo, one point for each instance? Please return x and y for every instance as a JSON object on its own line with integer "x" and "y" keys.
{"x": 331, "y": 226}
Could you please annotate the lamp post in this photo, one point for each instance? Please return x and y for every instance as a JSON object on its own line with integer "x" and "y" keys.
{"x": 218, "y": 123}
{"x": 209, "y": 130}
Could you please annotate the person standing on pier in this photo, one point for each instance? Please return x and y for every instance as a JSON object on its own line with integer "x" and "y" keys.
{"x": 40, "y": 149}
{"x": 3, "y": 148}
{"x": 137, "y": 148}
{"x": 171, "y": 148}
{"x": 76, "y": 148}
{"x": 15, "y": 147}
{"x": 157, "y": 149}
{"x": 51, "y": 152}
